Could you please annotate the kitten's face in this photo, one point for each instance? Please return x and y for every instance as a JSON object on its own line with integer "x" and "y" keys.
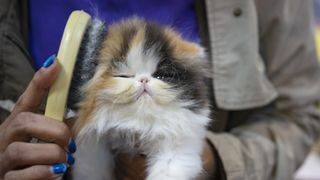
{"x": 144, "y": 64}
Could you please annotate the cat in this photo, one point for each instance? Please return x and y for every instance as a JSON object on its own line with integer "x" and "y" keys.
{"x": 147, "y": 96}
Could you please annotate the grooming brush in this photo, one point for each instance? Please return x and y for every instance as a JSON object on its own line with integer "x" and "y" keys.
{"x": 78, "y": 52}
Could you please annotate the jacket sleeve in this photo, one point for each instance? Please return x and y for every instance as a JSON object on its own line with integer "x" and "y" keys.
{"x": 274, "y": 140}
{"x": 16, "y": 69}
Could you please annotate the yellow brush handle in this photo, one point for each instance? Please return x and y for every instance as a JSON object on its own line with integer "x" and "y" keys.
{"x": 67, "y": 55}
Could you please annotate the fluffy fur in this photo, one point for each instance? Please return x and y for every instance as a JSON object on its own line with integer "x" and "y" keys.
{"x": 146, "y": 96}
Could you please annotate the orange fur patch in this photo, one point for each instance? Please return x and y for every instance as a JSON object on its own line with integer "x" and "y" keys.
{"x": 139, "y": 37}
{"x": 181, "y": 48}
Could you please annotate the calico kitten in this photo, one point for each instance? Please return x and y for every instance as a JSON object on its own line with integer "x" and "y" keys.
{"x": 147, "y": 96}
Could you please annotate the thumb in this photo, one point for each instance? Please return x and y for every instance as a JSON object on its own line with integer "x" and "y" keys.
{"x": 32, "y": 97}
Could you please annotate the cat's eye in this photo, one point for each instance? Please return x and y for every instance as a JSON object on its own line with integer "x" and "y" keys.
{"x": 160, "y": 77}
{"x": 123, "y": 76}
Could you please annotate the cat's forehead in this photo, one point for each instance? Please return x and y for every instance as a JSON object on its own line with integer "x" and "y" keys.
{"x": 137, "y": 45}
{"x": 140, "y": 61}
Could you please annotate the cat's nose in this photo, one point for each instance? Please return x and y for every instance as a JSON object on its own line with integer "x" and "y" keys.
{"x": 144, "y": 80}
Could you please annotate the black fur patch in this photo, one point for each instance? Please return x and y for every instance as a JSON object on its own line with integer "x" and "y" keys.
{"x": 86, "y": 61}
{"x": 157, "y": 41}
{"x": 168, "y": 70}
{"x": 191, "y": 85}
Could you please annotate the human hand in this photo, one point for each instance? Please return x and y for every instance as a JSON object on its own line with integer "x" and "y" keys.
{"x": 134, "y": 168}
{"x": 20, "y": 159}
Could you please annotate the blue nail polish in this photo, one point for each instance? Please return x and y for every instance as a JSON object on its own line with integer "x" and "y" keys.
{"x": 49, "y": 61}
{"x": 70, "y": 159}
{"x": 72, "y": 147}
{"x": 59, "y": 168}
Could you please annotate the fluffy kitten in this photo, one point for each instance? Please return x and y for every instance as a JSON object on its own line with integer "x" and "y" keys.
{"x": 147, "y": 96}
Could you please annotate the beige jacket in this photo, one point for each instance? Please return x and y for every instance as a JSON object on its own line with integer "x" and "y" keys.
{"x": 266, "y": 81}
{"x": 267, "y": 77}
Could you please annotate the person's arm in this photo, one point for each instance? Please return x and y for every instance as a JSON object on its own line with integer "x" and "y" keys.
{"x": 275, "y": 139}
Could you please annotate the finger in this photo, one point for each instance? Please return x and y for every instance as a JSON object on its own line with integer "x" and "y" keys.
{"x": 20, "y": 154}
{"x": 38, "y": 86}
{"x": 29, "y": 125}
{"x": 208, "y": 159}
{"x": 38, "y": 172}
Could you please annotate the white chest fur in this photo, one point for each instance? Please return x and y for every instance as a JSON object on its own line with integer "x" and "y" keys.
{"x": 171, "y": 137}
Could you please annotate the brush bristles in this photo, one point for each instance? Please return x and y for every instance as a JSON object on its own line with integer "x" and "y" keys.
{"x": 86, "y": 61}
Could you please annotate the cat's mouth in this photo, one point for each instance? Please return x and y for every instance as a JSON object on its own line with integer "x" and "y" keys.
{"x": 144, "y": 91}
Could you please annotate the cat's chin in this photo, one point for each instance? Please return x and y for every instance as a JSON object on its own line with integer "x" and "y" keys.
{"x": 143, "y": 100}
{"x": 143, "y": 96}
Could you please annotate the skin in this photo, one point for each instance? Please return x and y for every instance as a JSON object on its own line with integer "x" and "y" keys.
{"x": 20, "y": 159}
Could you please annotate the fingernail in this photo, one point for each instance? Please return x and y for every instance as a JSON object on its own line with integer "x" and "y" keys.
{"x": 49, "y": 61}
{"x": 72, "y": 147}
{"x": 59, "y": 168}
{"x": 70, "y": 159}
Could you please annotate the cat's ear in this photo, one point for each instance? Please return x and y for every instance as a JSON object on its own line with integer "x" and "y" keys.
{"x": 197, "y": 60}
{"x": 192, "y": 55}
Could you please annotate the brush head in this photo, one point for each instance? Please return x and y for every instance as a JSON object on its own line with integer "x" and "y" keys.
{"x": 87, "y": 60}
{"x": 69, "y": 47}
